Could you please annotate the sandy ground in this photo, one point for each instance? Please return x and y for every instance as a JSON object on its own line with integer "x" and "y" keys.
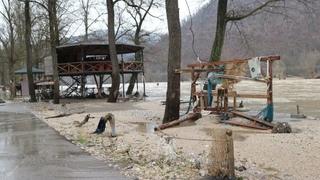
{"x": 181, "y": 152}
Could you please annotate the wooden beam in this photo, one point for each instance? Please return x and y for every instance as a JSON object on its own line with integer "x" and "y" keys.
{"x": 234, "y": 94}
{"x": 234, "y": 61}
{"x": 244, "y": 125}
{"x": 267, "y": 124}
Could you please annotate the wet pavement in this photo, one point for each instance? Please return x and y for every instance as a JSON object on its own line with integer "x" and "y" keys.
{"x": 30, "y": 150}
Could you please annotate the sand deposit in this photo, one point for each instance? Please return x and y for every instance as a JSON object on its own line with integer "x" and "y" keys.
{"x": 181, "y": 152}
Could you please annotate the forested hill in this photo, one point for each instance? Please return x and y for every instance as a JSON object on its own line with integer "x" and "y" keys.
{"x": 292, "y": 33}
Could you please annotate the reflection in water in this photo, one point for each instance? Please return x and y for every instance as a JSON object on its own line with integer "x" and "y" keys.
{"x": 29, "y": 149}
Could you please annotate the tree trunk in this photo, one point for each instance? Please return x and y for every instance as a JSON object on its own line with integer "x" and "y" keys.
{"x": 54, "y": 40}
{"x": 28, "y": 51}
{"x": 174, "y": 62}
{"x": 86, "y": 27}
{"x": 114, "y": 92}
{"x": 222, "y": 20}
{"x": 2, "y": 73}
{"x": 12, "y": 63}
{"x": 138, "y": 57}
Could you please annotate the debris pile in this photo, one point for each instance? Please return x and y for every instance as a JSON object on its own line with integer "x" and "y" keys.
{"x": 282, "y": 127}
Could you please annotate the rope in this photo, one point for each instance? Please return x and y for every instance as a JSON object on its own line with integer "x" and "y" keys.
{"x": 191, "y": 139}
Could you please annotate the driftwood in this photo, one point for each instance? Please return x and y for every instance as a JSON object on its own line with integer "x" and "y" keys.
{"x": 63, "y": 115}
{"x": 102, "y": 124}
{"x": 189, "y": 117}
{"x": 86, "y": 119}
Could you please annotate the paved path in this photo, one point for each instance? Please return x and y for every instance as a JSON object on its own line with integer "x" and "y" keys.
{"x": 30, "y": 150}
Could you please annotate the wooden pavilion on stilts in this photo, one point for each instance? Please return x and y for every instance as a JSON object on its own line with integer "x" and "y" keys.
{"x": 82, "y": 60}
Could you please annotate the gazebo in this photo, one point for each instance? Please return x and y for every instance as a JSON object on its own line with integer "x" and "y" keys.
{"x": 80, "y": 60}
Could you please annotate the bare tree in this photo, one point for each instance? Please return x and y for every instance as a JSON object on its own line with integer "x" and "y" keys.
{"x": 139, "y": 10}
{"x": 86, "y": 8}
{"x": 9, "y": 44}
{"x": 224, "y": 16}
{"x": 29, "y": 50}
{"x": 114, "y": 91}
{"x": 174, "y": 62}
{"x": 54, "y": 41}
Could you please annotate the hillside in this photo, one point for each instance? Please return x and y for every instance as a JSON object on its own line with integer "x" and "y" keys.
{"x": 291, "y": 33}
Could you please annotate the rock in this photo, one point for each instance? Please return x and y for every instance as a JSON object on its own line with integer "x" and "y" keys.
{"x": 202, "y": 173}
{"x": 282, "y": 127}
{"x": 241, "y": 168}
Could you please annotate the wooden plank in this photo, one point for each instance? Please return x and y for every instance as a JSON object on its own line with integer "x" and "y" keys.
{"x": 267, "y": 124}
{"x": 244, "y": 125}
{"x": 253, "y": 96}
{"x": 234, "y": 61}
{"x": 233, "y": 94}
{"x": 232, "y": 77}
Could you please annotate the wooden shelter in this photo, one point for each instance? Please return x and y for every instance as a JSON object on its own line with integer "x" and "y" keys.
{"x": 81, "y": 60}
{"x": 228, "y": 73}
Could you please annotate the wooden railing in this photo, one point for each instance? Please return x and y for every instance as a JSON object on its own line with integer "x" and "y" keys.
{"x": 96, "y": 67}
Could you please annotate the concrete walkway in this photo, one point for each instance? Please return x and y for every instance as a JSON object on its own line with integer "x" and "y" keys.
{"x": 31, "y": 150}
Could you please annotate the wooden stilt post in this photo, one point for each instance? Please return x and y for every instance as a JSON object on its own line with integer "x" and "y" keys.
{"x": 100, "y": 84}
{"x": 143, "y": 78}
{"x": 122, "y": 75}
{"x": 97, "y": 85}
{"x": 221, "y": 157}
{"x": 137, "y": 81}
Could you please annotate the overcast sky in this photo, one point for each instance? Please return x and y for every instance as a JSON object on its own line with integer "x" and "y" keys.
{"x": 151, "y": 24}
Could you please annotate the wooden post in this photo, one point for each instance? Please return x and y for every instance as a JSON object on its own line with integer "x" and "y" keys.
{"x": 226, "y": 100}
{"x": 143, "y": 78}
{"x": 235, "y": 101}
{"x": 122, "y": 75}
{"x": 221, "y": 157}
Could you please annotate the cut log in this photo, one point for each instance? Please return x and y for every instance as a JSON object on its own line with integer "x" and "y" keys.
{"x": 221, "y": 156}
{"x": 102, "y": 125}
{"x": 189, "y": 117}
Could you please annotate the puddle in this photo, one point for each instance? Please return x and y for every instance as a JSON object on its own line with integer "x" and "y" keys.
{"x": 145, "y": 127}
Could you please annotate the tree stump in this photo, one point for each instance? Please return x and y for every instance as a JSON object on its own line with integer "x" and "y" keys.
{"x": 221, "y": 157}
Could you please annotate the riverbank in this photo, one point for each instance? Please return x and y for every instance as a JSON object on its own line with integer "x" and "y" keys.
{"x": 181, "y": 152}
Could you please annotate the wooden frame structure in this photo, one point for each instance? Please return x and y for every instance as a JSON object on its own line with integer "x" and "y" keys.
{"x": 78, "y": 61}
{"x": 223, "y": 94}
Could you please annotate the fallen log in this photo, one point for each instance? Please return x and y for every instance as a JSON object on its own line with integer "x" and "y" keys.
{"x": 86, "y": 119}
{"x": 189, "y": 117}
{"x": 64, "y": 115}
{"x": 267, "y": 124}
